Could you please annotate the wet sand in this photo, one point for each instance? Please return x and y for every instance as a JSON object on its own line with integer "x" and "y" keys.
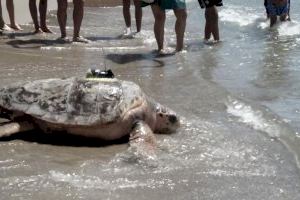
{"x": 213, "y": 156}
{"x": 103, "y": 3}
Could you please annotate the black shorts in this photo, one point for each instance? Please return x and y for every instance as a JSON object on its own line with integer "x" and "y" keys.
{"x": 210, "y": 3}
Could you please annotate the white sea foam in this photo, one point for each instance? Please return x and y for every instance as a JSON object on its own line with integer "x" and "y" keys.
{"x": 148, "y": 37}
{"x": 55, "y": 48}
{"x": 262, "y": 121}
{"x": 264, "y": 24}
{"x": 242, "y": 16}
{"x": 94, "y": 48}
{"x": 254, "y": 118}
{"x": 93, "y": 182}
{"x": 284, "y": 28}
{"x": 289, "y": 28}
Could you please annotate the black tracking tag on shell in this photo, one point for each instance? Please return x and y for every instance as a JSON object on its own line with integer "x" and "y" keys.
{"x": 97, "y": 73}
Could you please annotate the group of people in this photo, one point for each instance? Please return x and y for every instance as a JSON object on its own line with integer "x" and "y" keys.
{"x": 179, "y": 7}
{"x": 10, "y": 10}
{"x": 40, "y": 25}
{"x": 274, "y": 8}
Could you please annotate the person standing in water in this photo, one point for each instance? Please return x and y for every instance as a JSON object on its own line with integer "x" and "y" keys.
{"x": 11, "y": 13}
{"x": 159, "y": 12}
{"x": 39, "y": 27}
{"x": 127, "y": 16}
{"x": 279, "y": 8}
{"x": 211, "y": 18}
{"x": 78, "y": 11}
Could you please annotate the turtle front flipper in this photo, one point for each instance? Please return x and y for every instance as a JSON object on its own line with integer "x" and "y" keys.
{"x": 142, "y": 140}
{"x": 10, "y": 128}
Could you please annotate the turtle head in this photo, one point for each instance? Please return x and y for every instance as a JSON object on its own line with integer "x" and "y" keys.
{"x": 167, "y": 121}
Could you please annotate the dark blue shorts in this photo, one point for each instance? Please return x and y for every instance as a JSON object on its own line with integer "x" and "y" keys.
{"x": 277, "y": 10}
{"x": 210, "y": 3}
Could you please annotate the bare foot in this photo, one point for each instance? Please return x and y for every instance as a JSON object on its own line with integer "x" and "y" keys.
{"x": 63, "y": 40}
{"x": 37, "y": 31}
{"x": 16, "y": 27}
{"x": 46, "y": 30}
{"x": 6, "y": 28}
{"x": 81, "y": 39}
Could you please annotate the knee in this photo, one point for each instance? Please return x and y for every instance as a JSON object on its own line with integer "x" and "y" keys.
{"x": 62, "y": 5}
{"x": 137, "y": 4}
{"x": 126, "y": 4}
{"x": 182, "y": 16}
{"x": 160, "y": 17}
{"x": 211, "y": 14}
{"x": 43, "y": 2}
{"x": 79, "y": 3}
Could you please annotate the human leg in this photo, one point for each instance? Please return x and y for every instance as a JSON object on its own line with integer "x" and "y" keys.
{"x": 126, "y": 13}
{"x": 211, "y": 24}
{"x": 289, "y": 9}
{"x": 159, "y": 24}
{"x": 285, "y": 12}
{"x": 273, "y": 20}
{"x": 1, "y": 18}
{"x": 138, "y": 15}
{"x": 11, "y": 13}
{"x": 43, "y": 12}
{"x": 34, "y": 15}
{"x": 180, "y": 25}
{"x": 62, "y": 6}
{"x": 77, "y": 20}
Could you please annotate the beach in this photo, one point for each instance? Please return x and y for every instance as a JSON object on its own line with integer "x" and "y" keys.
{"x": 238, "y": 101}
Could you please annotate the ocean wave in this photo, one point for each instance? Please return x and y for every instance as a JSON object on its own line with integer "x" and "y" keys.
{"x": 243, "y": 16}
{"x": 262, "y": 119}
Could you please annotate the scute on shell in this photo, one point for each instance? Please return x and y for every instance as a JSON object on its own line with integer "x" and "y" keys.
{"x": 71, "y": 101}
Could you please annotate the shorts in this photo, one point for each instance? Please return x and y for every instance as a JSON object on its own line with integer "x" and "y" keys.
{"x": 143, "y": 4}
{"x": 210, "y": 3}
{"x": 277, "y": 10}
{"x": 168, "y": 4}
{"x": 171, "y": 4}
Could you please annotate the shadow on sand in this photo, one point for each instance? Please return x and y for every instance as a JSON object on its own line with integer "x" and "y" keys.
{"x": 62, "y": 139}
{"x": 34, "y": 43}
{"x": 133, "y": 57}
{"x": 59, "y": 138}
{"x": 104, "y": 38}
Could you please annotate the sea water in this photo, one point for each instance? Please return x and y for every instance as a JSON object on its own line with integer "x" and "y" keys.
{"x": 238, "y": 99}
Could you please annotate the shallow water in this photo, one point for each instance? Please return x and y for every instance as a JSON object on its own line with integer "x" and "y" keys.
{"x": 238, "y": 99}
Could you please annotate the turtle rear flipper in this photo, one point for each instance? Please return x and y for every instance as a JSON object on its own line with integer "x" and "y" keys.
{"x": 142, "y": 140}
{"x": 10, "y": 128}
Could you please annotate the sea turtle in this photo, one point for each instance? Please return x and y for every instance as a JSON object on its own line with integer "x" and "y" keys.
{"x": 93, "y": 107}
